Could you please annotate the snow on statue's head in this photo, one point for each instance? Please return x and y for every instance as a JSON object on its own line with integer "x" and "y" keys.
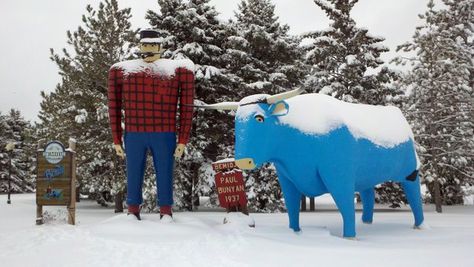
{"x": 150, "y": 45}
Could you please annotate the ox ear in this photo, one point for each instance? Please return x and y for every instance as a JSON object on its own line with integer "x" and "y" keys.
{"x": 280, "y": 108}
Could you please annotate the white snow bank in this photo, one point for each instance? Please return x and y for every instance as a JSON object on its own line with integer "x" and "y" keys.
{"x": 318, "y": 114}
{"x": 102, "y": 238}
{"x": 161, "y": 67}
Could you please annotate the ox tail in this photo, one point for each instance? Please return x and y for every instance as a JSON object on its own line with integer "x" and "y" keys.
{"x": 412, "y": 176}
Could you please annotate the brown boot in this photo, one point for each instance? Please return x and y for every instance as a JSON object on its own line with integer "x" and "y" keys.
{"x": 135, "y": 210}
{"x": 165, "y": 210}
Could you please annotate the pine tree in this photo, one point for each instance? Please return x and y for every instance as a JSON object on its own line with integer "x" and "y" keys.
{"x": 260, "y": 52}
{"x": 441, "y": 86}
{"x": 345, "y": 59}
{"x": 77, "y": 108}
{"x": 191, "y": 30}
{"x": 264, "y": 59}
{"x": 17, "y": 164}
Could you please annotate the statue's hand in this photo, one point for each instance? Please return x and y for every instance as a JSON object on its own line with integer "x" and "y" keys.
{"x": 119, "y": 151}
{"x": 178, "y": 153}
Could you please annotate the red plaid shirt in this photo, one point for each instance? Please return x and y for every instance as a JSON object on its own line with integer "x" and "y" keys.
{"x": 150, "y": 99}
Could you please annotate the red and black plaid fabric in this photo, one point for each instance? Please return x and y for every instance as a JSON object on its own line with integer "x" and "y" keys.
{"x": 150, "y": 102}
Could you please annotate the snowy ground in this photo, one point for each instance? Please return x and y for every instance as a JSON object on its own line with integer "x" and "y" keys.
{"x": 102, "y": 238}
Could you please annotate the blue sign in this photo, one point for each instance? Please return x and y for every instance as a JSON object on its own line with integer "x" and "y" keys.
{"x": 51, "y": 173}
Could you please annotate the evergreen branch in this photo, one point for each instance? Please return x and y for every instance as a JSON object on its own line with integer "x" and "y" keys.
{"x": 456, "y": 169}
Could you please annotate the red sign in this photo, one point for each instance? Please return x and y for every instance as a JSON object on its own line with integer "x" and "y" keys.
{"x": 230, "y": 185}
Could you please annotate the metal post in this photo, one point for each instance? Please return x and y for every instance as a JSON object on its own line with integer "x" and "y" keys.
{"x": 9, "y": 178}
{"x": 303, "y": 203}
{"x": 311, "y": 204}
{"x": 9, "y": 147}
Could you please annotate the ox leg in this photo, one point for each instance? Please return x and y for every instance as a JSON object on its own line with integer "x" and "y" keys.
{"x": 342, "y": 191}
{"x": 292, "y": 202}
{"x": 368, "y": 198}
{"x": 345, "y": 204}
{"x": 413, "y": 194}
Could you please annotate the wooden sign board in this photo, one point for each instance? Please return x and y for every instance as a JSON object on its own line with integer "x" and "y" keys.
{"x": 230, "y": 185}
{"x": 56, "y": 179}
{"x": 53, "y": 182}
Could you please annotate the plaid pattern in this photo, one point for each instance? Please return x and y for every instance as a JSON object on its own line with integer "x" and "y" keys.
{"x": 150, "y": 102}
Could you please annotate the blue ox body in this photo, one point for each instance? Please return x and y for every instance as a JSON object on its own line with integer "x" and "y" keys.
{"x": 340, "y": 160}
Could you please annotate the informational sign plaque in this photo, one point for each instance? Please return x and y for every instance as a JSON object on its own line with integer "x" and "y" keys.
{"x": 230, "y": 185}
{"x": 55, "y": 180}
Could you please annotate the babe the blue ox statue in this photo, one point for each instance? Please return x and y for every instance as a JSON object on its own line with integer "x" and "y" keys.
{"x": 320, "y": 145}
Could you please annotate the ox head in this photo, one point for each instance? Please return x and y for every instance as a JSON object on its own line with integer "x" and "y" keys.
{"x": 255, "y": 122}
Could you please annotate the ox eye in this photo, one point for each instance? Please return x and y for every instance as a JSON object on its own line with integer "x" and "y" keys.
{"x": 259, "y": 118}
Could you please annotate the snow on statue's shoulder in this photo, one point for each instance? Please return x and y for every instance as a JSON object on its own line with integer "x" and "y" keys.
{"x": 319, "y": 114}
{"x": 160, "y": 67}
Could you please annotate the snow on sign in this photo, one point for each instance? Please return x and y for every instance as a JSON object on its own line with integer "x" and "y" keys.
{"x": 55, "y": 178}
{"x": 230, "y": 185}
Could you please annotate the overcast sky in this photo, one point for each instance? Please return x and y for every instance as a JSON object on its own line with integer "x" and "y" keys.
{"x": 29, "y": 28}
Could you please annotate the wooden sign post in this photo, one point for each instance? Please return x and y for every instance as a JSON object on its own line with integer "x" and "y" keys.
{"x": 56, "y": 179}
{"x": 230, "y": 186}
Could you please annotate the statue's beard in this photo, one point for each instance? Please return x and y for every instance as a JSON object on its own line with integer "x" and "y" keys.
{"x": 144, "y": 55}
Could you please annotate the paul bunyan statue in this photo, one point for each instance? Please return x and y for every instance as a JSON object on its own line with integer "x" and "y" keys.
{"x": 148, "y": 90}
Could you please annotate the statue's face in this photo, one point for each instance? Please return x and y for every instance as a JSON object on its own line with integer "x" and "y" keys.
{"x": 153, "y": 49}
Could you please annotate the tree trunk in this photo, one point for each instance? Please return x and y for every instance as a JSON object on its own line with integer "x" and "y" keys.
{"x": 195, "y": 181}
{"x": 437, "y": 196}
{"x": 119, "y": 202}
{"x": 78, "y": 193}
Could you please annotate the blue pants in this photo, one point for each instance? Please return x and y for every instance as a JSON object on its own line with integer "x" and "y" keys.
{"x": 162, "y": 146}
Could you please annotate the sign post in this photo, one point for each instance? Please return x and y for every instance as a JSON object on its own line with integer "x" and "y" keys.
{"x": 9, "y": 148}
{"x": 231, "y": 187}
{"x": 56, "y": 179}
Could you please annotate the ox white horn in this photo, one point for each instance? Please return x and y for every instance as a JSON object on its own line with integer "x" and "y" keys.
{"x": 220, "y": 106}
{"x": 282, "y": 96}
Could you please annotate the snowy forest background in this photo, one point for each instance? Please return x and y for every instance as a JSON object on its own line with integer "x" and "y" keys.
{"x": 249, "y": 54}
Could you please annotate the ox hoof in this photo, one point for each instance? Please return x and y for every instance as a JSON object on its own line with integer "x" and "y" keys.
{"x": 296, "y": 230}
{"x": 422, "y": 226}
{"x": 352, "y": 238}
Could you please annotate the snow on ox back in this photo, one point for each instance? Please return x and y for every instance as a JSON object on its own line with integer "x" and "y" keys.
{"x": 319, "y": 114}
